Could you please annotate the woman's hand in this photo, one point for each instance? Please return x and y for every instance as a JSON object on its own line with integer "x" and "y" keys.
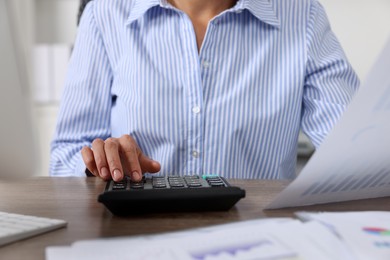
{"x": 116, "y": 157}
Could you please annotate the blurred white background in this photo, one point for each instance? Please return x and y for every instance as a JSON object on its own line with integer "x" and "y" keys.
{"x": 363, "y": 27}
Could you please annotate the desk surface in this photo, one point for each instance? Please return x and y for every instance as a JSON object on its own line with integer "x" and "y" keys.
{"x": 75, "y": 200}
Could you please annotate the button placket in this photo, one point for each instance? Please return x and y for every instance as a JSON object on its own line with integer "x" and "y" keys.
{"x": 195, "y": 99}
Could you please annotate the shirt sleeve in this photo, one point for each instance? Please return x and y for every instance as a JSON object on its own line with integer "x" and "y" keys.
{"x": 330, "y": 81}
{"x": 86, "y": 102}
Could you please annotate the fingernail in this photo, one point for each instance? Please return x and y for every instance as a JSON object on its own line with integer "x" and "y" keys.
{"x": 117, "y": 174}
{"x": 136, "y": 175}
{"x": 105, "y": 172}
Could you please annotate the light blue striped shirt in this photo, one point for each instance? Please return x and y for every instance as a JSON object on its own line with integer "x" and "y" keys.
{"x": 266, "y": 68}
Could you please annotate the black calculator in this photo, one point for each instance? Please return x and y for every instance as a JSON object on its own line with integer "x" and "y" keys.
{"x": 170, "y": 194}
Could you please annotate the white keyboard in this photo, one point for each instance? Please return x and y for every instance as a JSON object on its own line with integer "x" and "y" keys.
{"x": 15, "y": 227}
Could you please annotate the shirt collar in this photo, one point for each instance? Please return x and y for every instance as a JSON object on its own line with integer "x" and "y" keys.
{"x": 261, "y": 9}
{"x": 140, "y": 7}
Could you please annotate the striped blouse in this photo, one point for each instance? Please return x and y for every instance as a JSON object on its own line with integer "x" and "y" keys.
{"x": 265, "y": 70}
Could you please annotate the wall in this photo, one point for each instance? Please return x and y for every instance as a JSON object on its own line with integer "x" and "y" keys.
{"x": 56, "y": 21}
{"x": 363, "y": 27}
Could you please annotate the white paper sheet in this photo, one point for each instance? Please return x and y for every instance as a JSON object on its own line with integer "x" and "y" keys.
{"x": 119, "y": 251}
{"x": 353, "y": 162}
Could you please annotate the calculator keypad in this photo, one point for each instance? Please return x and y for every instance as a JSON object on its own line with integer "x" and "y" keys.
{"x": 170, "y": 182}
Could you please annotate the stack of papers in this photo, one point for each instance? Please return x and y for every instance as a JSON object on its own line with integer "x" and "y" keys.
{"x": 344, "y": 236}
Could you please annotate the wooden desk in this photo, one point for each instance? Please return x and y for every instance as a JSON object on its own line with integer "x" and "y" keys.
{"x": 75, "y": 200}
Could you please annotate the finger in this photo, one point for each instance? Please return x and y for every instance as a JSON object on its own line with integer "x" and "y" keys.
{"x": 111, "y": 148}
{"x": 148, "y": 165}
{"x": 89, "y": 160}
{"x": 129, "y": 150}
{"x": 100, "y": 159}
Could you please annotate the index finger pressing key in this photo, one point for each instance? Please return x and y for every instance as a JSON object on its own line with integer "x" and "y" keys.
{"x": 130, "y": 152}
{"x": 111, "y": 148}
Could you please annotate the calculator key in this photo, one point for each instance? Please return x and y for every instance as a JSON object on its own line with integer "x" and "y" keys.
{"x": 213, "y": 179}
{"x": 159, "y": 182}
{"x": 174, "y": 179}
{"x": 119, "y": 183}
{"x": 177, "y": 185}
{"x": 217, "y": 184}
{"x": 191, "y": 177}
{"x": 194, "y": 185}
{"x": 159, "y": 186}
{"x": 136, "y": 185}
{"x": 158, "y": 179}
{"x": 192, "y": 182}
{"x": 119, "y": 186}
{"x": 176, "y": 182}
{"x": 210, "y": 176}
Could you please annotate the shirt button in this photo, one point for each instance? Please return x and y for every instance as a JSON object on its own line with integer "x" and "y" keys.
{"x": 195, "y": 154}
{"x": 196, "y": 110}
{"x": 206, "y": 64}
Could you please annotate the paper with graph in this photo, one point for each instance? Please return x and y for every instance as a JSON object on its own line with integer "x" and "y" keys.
{"x": 262, "y": 239}
{"x": 354, "y": 161}
{"x": 366, "y": 234}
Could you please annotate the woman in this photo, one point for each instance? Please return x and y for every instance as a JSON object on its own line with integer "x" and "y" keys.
{"x": 200, "y": 86}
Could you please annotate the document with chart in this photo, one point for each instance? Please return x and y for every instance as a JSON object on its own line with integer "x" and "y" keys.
{"x": 366, "y": 234}
{"x": 262, "y": 239}
{"x": 354, "y": 161}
